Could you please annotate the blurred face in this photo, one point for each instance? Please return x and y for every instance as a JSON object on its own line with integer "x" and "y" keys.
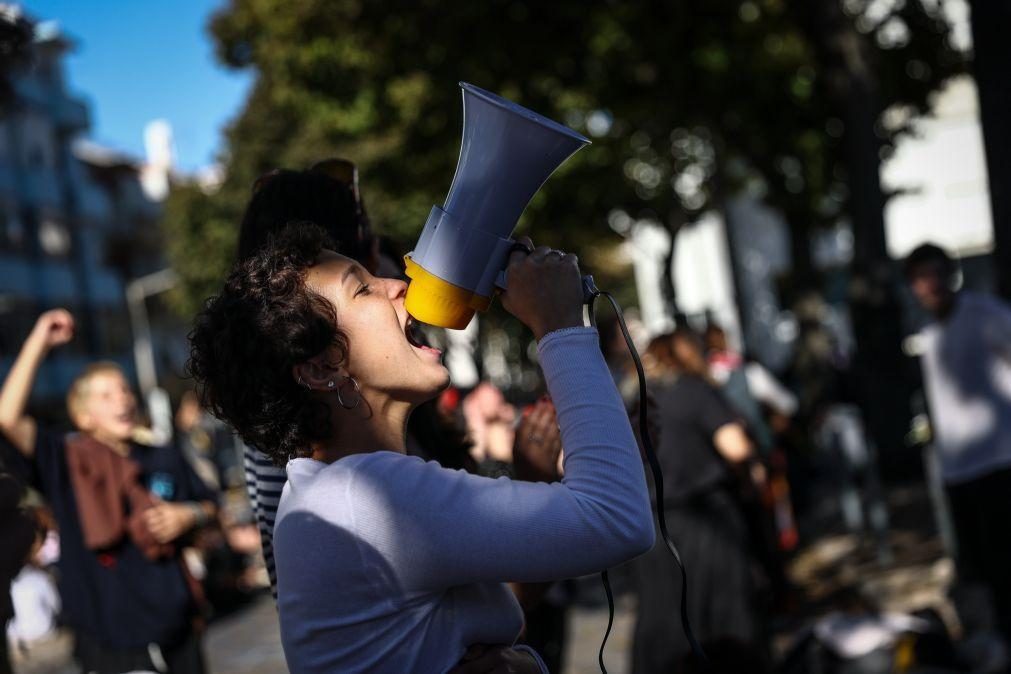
{"x": 716, "y": 340}
{"x": 688, "y": 350}
{"x": 109, "y": 409}
{"x": 931, "y": 285}
{"x": 383, "y": 356}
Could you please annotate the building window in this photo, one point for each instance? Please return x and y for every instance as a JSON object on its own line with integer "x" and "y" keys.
{"x": 38, "y": 142}
{"x": 17, "y": 317}
{"x": 12, "y": 230}
{"x": 54, "y": 237}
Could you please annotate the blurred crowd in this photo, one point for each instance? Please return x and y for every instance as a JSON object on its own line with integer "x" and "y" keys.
{"x": 121, "y": 553}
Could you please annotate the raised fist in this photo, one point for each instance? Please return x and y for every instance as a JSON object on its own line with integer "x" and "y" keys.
{"x": 545, "y": 289}
{"x": 54, "y": 328}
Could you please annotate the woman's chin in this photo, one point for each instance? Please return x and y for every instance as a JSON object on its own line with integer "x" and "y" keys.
{"x": 442, "y": 381}
{"x": 439, "y": 383}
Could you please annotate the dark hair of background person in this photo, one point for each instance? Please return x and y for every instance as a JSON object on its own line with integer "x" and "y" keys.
{"x": 284, "y": 196}
{"x": 925, "y": 253}
{"x": 678, "y": 352}
{"x": 247, "y": 339}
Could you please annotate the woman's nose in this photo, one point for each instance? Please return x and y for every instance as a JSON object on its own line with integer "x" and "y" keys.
{"x": 396, "y": 289}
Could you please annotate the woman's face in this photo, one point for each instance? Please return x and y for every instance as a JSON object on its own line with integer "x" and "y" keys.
{"x": 370, "y": 312}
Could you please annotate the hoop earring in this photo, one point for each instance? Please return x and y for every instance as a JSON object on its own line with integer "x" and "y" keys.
{"x": 358, "y": 391}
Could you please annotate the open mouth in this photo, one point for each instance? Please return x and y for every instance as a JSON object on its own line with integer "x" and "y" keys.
{"x": 416, "y": 336}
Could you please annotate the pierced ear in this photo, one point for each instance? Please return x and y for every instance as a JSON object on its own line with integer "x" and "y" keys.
{"x": 316, "y": 374}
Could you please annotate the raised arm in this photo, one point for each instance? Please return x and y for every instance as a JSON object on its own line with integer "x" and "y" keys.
{"x": 456, "y": 528}
{"x": 452, "y": 528}
{"x": 52, "y": 329}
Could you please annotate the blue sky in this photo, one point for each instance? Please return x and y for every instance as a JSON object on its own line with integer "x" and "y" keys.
{"x": 138, "y": 60}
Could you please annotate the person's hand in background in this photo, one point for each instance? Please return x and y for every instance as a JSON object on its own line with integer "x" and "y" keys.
{"x": 53, "y": 328}
{"x": 538, "y": 445}
{"x": 489, "y": 421}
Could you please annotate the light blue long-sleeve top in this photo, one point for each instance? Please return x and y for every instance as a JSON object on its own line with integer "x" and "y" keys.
{"x": 388, "y": 563}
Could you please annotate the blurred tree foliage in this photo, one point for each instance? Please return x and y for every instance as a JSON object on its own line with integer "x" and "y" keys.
{"x": 687, "y": 102}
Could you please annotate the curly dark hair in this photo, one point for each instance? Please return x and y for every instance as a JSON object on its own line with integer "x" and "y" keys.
{"x": 247, "y": 339}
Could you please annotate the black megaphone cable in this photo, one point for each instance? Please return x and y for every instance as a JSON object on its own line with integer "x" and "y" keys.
{"x": 590, "y": 295}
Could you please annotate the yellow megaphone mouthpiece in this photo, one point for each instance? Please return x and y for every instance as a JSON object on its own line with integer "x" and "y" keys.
{"x": 440, "y": 303}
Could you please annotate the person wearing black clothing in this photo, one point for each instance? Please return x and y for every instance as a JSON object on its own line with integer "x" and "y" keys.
{"x": 702, "y": 449}
{"x": 18, "y": 534}
{"x": 121, "y": 508}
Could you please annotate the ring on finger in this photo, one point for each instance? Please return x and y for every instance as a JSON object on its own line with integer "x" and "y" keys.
{"x": 521, "y": 247}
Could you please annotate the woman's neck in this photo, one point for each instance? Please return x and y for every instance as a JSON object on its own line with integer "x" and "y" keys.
{"x": 365, "y": 429}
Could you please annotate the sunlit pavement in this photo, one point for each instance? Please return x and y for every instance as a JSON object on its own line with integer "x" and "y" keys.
{"x": 246, "y": 641}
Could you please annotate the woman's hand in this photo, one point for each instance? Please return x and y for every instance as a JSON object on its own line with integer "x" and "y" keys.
{"x": 538, "y": 444}
{"x": 486, "y": 659}
{"x": 53, "y": 328}
{"x": 544, "y": 289}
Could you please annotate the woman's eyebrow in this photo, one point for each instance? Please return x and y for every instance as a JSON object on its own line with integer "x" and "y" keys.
{"x": 353, "y": 269}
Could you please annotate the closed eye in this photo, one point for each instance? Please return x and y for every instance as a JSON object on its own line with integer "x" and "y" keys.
{"x": 363, "y": 289}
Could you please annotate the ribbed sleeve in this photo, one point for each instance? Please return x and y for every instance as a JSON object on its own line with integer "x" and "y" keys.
{"x": 440, "y": 528}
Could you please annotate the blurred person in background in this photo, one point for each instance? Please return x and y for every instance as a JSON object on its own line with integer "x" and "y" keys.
{"x": 706, "y": 458}
{"x": 17, "y": 539}
{"x": 122, "y": 509}
{"x": 966, "y": 361}
{"x": 841, "y": 478}
{"x": 761, "y": 400}
{"x": 749, "y": 387}
{"x": 491, "y": 422}
{"x": 528, "y": 447}
{"x": 36, "y": 642}
{"x": 195, "y": 441}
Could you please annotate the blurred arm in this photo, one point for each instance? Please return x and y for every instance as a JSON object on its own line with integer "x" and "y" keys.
{"x": 733, "y": 443}
{"x": 767, "y": 389}
{"x": 19, "y": 428}
{"x": 454, "y": 528}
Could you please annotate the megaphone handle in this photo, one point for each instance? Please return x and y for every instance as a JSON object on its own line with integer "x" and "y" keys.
{"x": 500, "y": 280}
{"x": 590, "y": 291}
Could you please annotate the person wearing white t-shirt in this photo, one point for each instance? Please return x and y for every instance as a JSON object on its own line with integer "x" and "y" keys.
{"x": 966, "y": 361}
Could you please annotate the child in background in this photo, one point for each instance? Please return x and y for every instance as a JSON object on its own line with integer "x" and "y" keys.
{"x": 36, "y": 643}
{"x": 121, "y": 509}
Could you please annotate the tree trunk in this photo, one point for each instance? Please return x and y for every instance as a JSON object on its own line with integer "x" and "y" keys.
{"x": 879, "y": 370}
{"x": 674, "y": 224}
{"x": 990, "y": 22}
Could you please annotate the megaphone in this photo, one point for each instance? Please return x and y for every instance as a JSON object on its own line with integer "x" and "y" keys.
{"x": 506, "y": 154}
